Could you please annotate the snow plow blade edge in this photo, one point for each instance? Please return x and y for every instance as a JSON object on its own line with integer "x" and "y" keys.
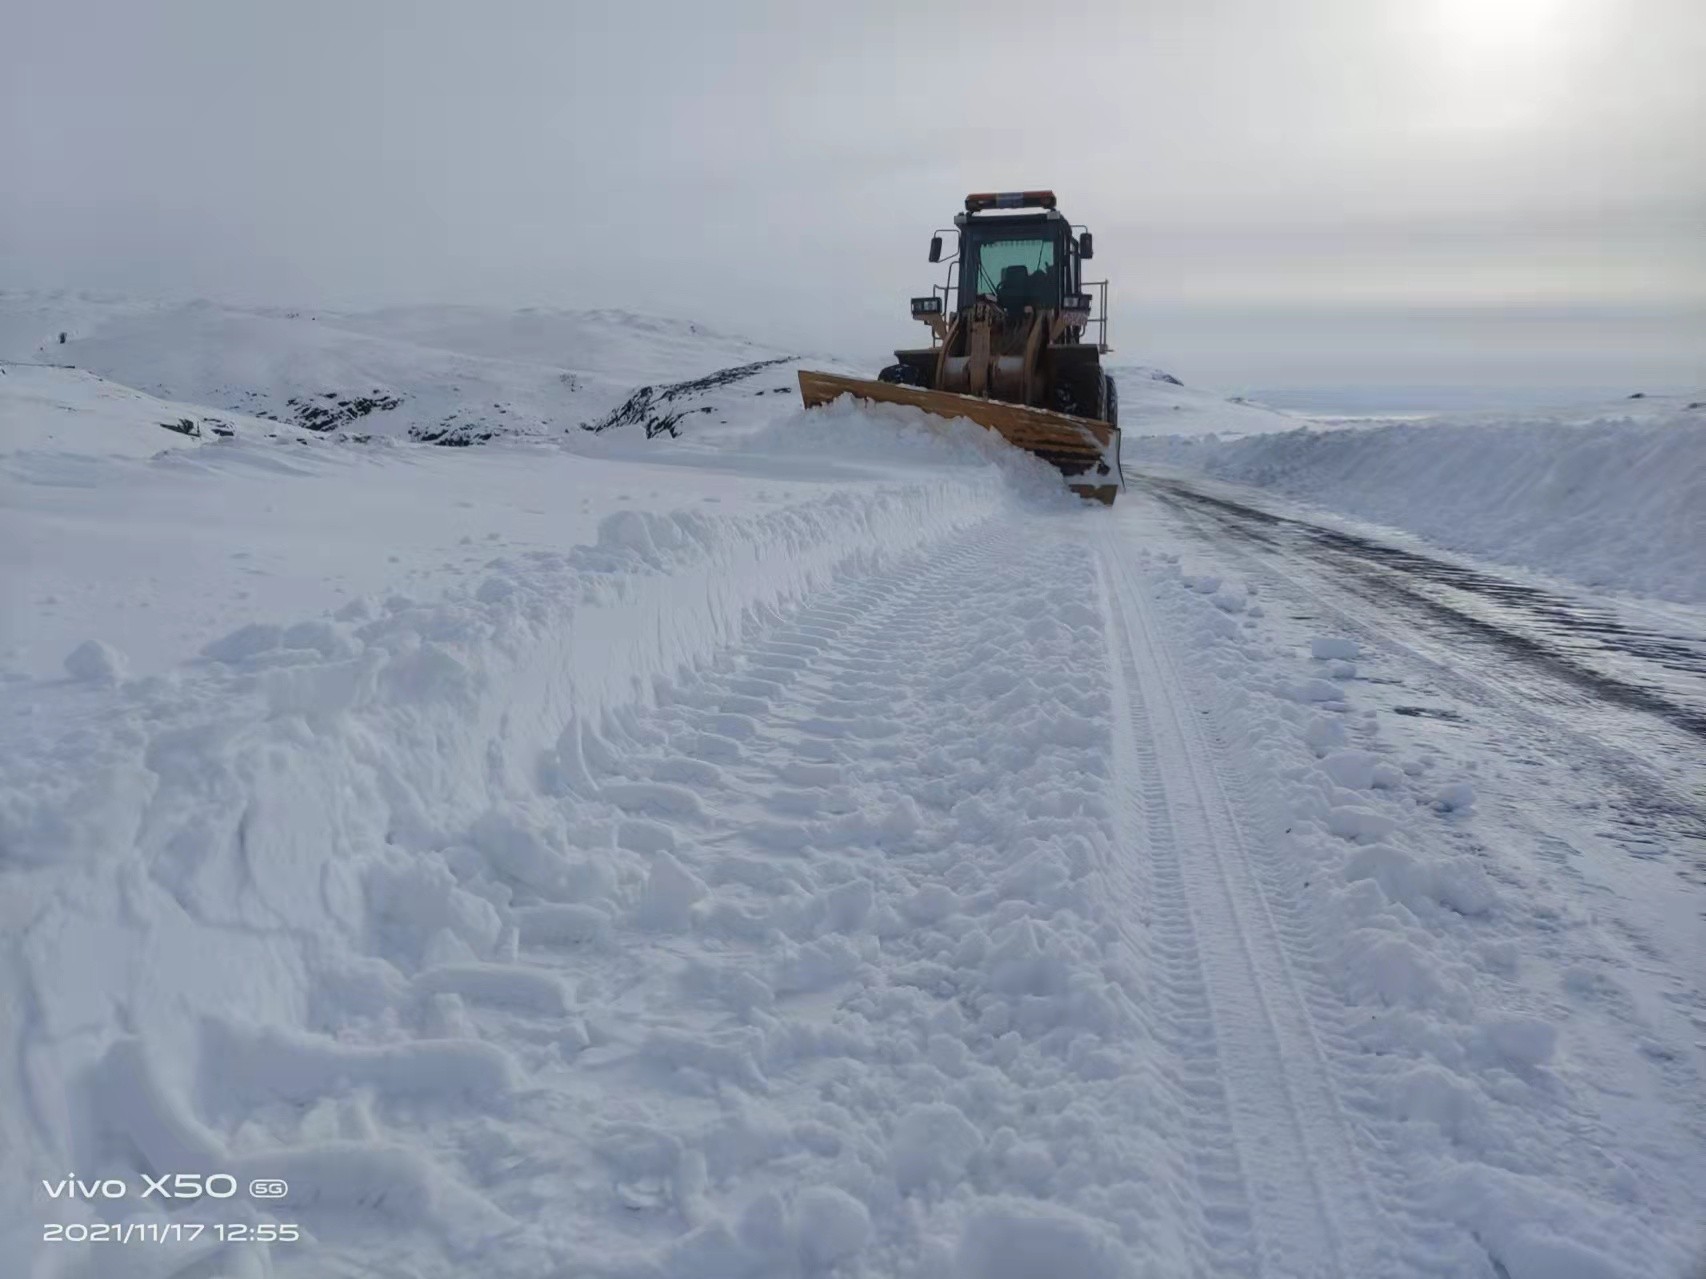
{"x": 1082, "y": 449}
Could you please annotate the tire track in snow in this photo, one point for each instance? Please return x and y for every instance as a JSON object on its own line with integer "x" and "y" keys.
{"x": 1147, "y": 860}
{"x": 1436, "y": 1216}
{"x": 664, "y": 781}
{"x": 745, "y": 716}
{"x": 1220, "y": 1162}
{"x": 1425, "y": 1245}
{"x": 939, "y": 644}
{"x": 1648, "y": 810}
{"x": 1466, "y": 660}
{"x": 1307, "y": 1188}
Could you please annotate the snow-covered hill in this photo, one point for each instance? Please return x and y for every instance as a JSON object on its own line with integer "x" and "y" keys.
{"x": 468, "y": 374}
{"x": 430, "y": 374}
{"x": 60, "y": 413}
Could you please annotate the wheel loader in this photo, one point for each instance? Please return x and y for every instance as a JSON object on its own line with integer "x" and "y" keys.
{"x": 1008, "y": 341}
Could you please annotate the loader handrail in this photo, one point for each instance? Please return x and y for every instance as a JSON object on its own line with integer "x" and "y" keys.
{"x": 1100, "y": 320}
{"x": 947, "y": 292}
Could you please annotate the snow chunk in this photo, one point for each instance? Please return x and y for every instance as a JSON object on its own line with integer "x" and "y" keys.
{"x": 670, "y": 892}
{"x": 275, "y": 1064}
{"x": 1031, "y": 1166}
{"x": 1397, "y": 873}
{"x": 1325, "y": 647}
{"x": 1460, "y": 884}
{"x": 1535, "y": 1253}
{"x": 515, "y": 851}
{"x": 96, "y": 662}
{"x": 317, "y": 636}
{"x": 501, "y": 984}
{"x": 562, "y": 925}
{"x": 1230, "y": 599}
{"x": 831, "y": 1224}
{"x": 1444, "y": 1099}
{"x": 1361, "y": 824}
{"x": 1395, "y": 972}
{"x": 1520, "y": 1041}
{"x": 933, "y": 1143}
{"x": 1463, "y": 886}
{"x": 932, "y": 903}
{"x": 1387, "y": 777}
{"x": 1315, "y": 690}
{"x": 1353, "y": 770}
{"x": 763, "y": 1225}
{"x": 1454, "y": 797}
{"x": 1324, "y": 735}
{"x": 1018, "y": 1239}
{"x": 245, "y": 643}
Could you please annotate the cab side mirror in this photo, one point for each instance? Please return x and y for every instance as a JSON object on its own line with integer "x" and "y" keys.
{"x": 1086, "y": 247}
{"x": 935, "y": 248}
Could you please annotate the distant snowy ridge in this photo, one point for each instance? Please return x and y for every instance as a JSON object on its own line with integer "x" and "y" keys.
{"x": 1154, "y": 402}
{"x": 467, "y": 375}
{"x": 437, "y": 375}
{"x": 1612, "y": 498}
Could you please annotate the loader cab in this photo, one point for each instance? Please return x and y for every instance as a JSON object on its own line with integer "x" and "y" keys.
{"x": 1019, "y": 260}
{"x": 1017, "y": 249}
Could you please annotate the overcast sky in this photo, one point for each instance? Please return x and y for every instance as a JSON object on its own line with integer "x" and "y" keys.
{"x": 1310, "y": 194}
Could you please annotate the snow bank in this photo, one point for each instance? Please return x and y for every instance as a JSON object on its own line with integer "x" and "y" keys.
{"x": 848, "y": 436}
{"x": 1611, "y": 501}
{"x": 210, "y": 860}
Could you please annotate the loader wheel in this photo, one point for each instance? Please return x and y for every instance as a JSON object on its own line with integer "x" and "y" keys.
{"x": 899, "y": 374}
{"x": 1110, "y": 401}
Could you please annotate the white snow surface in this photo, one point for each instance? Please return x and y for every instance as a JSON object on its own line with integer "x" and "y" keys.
{"x": 1610, "y": 496}
{"x": 424, "y": 373}
{"x": 811, "y": 846}
{"x": 1153, "y": 402}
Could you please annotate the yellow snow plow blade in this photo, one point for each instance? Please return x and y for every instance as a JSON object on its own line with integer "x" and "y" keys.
{"x": 1077, "y": 446}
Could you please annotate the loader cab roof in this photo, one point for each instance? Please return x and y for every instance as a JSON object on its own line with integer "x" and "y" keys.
{"x": 995, "y": 217}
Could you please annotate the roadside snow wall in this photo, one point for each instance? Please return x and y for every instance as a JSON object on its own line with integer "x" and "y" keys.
{"x": 1612, "y": 503}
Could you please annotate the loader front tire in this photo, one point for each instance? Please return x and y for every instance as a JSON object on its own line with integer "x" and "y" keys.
{"x": 899, "y": 375}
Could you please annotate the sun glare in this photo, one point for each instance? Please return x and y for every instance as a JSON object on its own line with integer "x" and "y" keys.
{"x": 1498, "y": 65}
{"x": 1501, "y": 27}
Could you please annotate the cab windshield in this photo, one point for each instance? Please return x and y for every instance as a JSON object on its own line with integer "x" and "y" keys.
{"x": 1018, "y": 271}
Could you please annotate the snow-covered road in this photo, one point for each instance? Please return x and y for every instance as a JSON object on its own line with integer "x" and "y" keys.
{"x": 1541, "y": 869}
{"x": 1029, "y": 899}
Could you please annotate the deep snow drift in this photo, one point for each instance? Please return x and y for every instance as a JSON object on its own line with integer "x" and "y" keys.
{"x": 1612, "y": 496}
{"x": 813, "y": 845}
